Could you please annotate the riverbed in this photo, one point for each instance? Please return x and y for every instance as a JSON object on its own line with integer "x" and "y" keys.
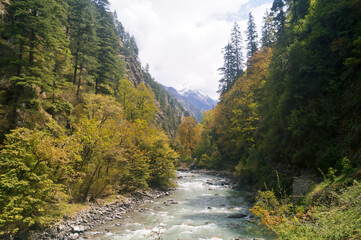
{"x": 203, "y": 207}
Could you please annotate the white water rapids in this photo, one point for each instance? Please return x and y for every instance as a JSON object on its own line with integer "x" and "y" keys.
{"x": 197, "y": 210}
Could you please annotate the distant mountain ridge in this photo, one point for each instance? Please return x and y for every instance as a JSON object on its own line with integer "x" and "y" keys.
{"x": 193, "y": 101}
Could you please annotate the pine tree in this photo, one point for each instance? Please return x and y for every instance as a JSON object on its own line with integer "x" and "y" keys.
{"x": 36, "y": 28}
{"x": 102, "y": 4}
{"x": 3, "y": 4}
{"x": 229, "y": 69}
{"x": 268, "y": 31}
{"x": 108, "y": 72}
{"x": 83, "y": 38}
{"x": 297, "y": 9}
{"x": 236, "y": 42}
{"x": 119, "y": 28}
{"x": 279, "y": 16}
{"x": 251, "y": 36}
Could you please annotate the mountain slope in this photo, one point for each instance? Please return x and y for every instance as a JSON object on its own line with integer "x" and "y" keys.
{"x": 80, "y": 119}
{"x": 193, "y": 101}
{"x": 171, "y": 112}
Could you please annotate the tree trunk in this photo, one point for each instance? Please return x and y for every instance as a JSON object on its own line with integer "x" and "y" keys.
{"x": 79, "y": 81}
{"x": 76, "y": 66}
{"x": 17, "y": 89}
{"x": 96, "y": 85}
{"x": 32, "y": 42}
{"x": 32, "y": 46}
{"x": 90, "y": 182}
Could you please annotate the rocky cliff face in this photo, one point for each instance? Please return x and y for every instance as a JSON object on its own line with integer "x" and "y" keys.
{"x": 134, "y": 70}
{"x": 171, "y": 112}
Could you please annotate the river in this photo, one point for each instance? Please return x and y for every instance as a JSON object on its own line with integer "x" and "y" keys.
{"x": 198, "y": 209}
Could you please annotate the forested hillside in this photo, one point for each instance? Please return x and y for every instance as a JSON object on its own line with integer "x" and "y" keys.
{"x": 296, "y": 104}
{"x": 80, "y": 119}
{"x": 293, "y": 109}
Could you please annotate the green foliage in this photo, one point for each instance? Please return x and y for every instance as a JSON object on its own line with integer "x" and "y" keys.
{"x": 138, "y": 103}
{"x": 237, "y": 117}
{"x": 161, "y": 156}
{"x": 297, "y": 105}
{"x": 251, "y": 36}
{"x": 167, "y": 104}
{"x": 108, "y": 71}
{"x": 233, "y": 61}
{"x": 78, "y": 146}
{"x": 29, "y": 191}
{"x": 83, "y": 38}
{"x": 331, "y": 213}
{"x": 346, "y": 165}
{"x": 207, "y": 153}
{"x": 331, "y": 175}
{"x": 189, "y": 137}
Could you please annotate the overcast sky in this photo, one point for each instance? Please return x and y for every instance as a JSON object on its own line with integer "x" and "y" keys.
{"x": 182, "y": 40}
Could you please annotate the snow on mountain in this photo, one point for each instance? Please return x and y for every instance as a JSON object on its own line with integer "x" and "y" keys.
{"x": 193, "y": 101}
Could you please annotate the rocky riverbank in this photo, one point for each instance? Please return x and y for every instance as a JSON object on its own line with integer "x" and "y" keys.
{"x": 85, "y": 221}
{"x": 71, "y": 228}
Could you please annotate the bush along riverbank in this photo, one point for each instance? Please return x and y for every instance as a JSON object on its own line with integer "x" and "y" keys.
{"x": 331, "y": 210}
{"x": 92, "y": 215}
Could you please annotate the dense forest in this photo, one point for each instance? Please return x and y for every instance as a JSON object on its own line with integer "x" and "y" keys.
{"x": 292, "y": 110}
{"x": 294, "y": 105}
{"x": 80, "y": 119}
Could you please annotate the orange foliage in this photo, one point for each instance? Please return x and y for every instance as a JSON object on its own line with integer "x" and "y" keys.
{"x": 268, "y": 217}
{"x": 189, "y": 135}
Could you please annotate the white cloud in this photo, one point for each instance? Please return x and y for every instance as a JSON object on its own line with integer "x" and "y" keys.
{"x": 182, "y": 40}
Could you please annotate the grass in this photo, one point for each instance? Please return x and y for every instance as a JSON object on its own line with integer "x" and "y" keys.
{"x": 333, "y": 215}
{"x": 331, "y": 211}
{"x": 71, "y": 209}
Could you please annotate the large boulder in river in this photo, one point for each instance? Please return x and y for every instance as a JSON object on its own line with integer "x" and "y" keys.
{"x": 237, "y": 215}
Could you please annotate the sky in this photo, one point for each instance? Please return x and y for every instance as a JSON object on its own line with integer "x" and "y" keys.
{"x": 182, "y": 40}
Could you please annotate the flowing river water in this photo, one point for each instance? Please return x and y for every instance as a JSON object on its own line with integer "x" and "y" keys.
{"x": 199, "y": 209}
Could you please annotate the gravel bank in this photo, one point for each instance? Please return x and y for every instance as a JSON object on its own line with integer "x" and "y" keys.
{"x": 71, "y": 228}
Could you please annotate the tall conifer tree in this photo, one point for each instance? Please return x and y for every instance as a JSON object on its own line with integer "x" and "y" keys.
{"x": 83, "y": 37}
{"x": 108, "y": 72}
{"x": 36, "y": 26}
{"x": 268, "y": 31}
{"x": 229, "y": 69}
{"x": 251, "y": 36}
{"x": 236, "y": 42}
{"x": 279, "y": 16}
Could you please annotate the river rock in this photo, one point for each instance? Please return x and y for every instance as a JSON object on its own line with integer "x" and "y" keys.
{"x": 237, "y": 215}
{"x": 73, "y": 236}
{"x": 78, "y": 229}
{"x": 170, "y": 201}
{"x": 53, "y": 232}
